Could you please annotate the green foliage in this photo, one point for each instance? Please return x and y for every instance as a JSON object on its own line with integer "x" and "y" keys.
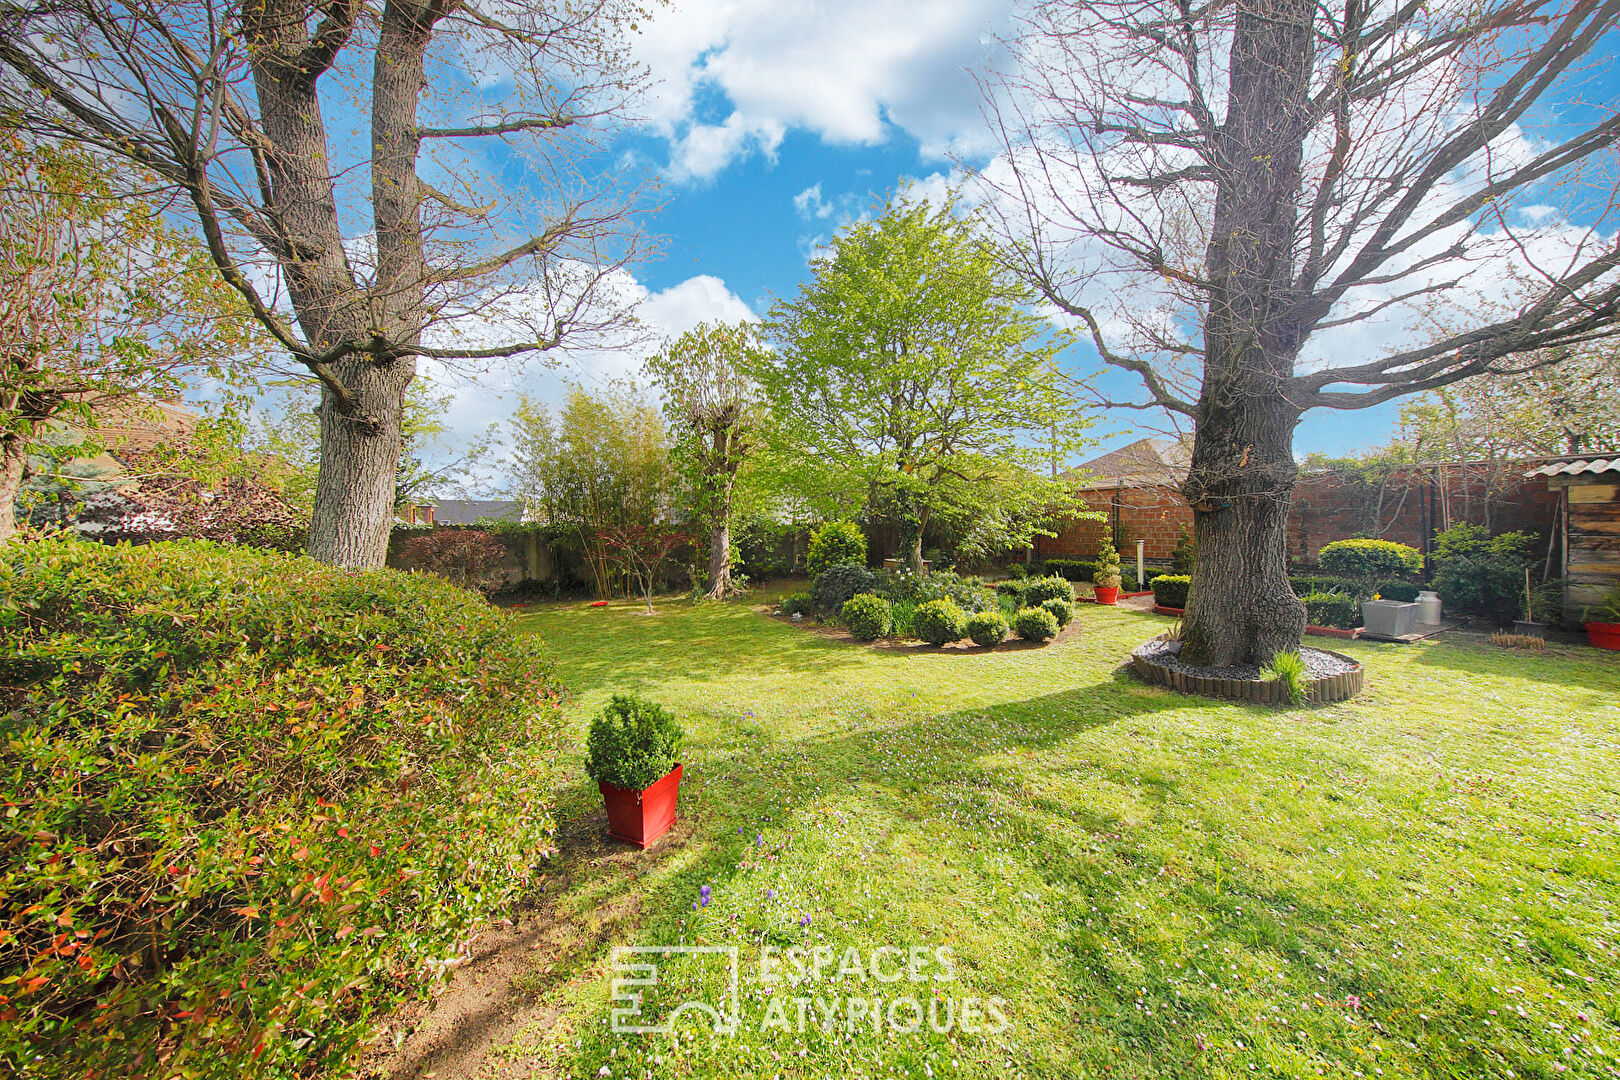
{"x": 1071, "y": 569}
{"x": 835, "y": 542}
{"x": 1481, "y": 574}
{"x": 835, "y": 585}
{"x": 633, "y": 743}
{"x": 901, "y": 613}
{"x": 1017, "y": 572}
{"x": 970, "y": 594}
{"x": 913, "y": 372}
{"x": 1062, "y": 610}
{"x": 1185, "y": 553}
{"x": 799, "y": 603}
{"x": 1107, "y": 572}
{"x": 1475, "y": 541}
{"x": 254, "y": 800}
{"x": 1340, "y": 610}
{"x": 939, "y": 622}
{"x": 1170, "y": 590}
{"x": 1035, "y": 624}
{"x": 1606, "y": 610}
{"x": 1404, "y": 591}
{"x": 987, "y": 628}
{"x": 597, "y": 467}
{"x": 1369, "y": 560}
{"x": 1038, "y": 591}
{"x": 868, "y": 617}
{"x": 1290, "y": 668}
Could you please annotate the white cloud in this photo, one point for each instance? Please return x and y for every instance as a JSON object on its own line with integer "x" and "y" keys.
{"x": 736, "y": 75}
{"x": 491, "y": 396}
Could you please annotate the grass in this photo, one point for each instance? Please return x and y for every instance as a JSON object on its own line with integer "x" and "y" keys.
{"x": 1421, "y": 882}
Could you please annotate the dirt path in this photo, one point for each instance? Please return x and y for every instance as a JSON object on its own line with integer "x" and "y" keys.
{"x": 503, "y": 1012}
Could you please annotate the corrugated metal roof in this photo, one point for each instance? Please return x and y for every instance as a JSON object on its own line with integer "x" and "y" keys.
{"x": 1577, "y": 466}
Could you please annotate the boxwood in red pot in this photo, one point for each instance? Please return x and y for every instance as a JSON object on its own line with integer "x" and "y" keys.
{"x": 631, "y": 754}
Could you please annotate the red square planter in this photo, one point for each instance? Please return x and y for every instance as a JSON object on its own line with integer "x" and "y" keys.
{"x": 1604, "y": 635}
{"x": 640, "y": 817}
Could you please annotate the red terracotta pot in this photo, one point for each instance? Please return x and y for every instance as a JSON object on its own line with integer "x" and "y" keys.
{"x": 640, "y": 817}
{"x": 1105, "y": 594}
{"x": 1603, "y": 635}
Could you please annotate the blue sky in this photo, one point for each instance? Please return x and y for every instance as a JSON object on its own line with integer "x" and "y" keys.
{"x": 774, "y": 121}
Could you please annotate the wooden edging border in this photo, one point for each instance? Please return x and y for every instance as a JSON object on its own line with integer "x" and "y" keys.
{"x": 1329, "y": 688}
{"x": 1314, "y": 631}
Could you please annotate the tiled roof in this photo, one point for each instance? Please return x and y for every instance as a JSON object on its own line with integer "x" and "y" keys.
{"x": 1145, "y": 461}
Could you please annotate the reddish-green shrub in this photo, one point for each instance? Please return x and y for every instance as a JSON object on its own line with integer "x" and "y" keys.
{"x": 250, "y": 800}
{"x": 468, "y": 557}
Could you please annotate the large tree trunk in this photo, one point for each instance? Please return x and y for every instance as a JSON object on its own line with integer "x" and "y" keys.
{"x": 13, "y": 458}
{"x": 354, "y": 490}
{"x": 360, "y": 437}
{"x": 1241, "y": 608}
{"x": 720, "y": 556}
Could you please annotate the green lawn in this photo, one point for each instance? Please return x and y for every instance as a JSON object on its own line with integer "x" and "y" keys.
{"x": 1421, "y": 882}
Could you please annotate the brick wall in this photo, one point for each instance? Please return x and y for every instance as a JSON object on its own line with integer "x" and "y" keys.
{"x": 1153, "y": 514}
{"x": 1409, "y": 509}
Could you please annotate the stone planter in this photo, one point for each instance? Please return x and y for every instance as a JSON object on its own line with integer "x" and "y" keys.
{"x": 1388, "y": 618}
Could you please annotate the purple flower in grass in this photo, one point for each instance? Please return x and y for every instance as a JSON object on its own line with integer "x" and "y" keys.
{"x": 703, "y": 896}
{"x": 804, "y": 921}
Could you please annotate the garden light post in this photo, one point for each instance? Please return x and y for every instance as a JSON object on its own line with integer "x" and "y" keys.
{"x": 1141, "y": 577}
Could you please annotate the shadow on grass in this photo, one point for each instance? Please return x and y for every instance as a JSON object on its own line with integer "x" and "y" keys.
{"x": 1559, "y": 666}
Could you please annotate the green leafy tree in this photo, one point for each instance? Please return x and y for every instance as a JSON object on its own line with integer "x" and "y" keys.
{"x": 911, "y": 370}
{"x": 714, "y": 410}
{"x": 596, "y": 467}
{"x": 102, "y": 305}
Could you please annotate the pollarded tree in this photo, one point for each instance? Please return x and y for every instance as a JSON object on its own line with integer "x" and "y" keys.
{"x": 1221, "y": 192}
{"x": 102, "y": 304}
{"x": 912, "y": 362}
{"x": 714, "y": 407}
{"x": 410, "y": 241}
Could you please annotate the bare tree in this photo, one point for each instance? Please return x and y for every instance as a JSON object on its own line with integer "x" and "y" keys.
{"x": 401, "y": 243}
{"x": 715, "y": 409}
{"x": 1224, "y": 193}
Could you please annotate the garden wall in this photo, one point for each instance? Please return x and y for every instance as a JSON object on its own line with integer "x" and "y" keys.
{"x": 1408, "y": 506}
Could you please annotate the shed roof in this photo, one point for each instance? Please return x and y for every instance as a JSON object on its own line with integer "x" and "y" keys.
{"x": 1577, "y": 466}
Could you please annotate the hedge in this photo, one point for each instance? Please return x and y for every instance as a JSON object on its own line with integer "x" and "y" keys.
{"x": 254, "y": 800}
{"x": 939, "y": 622}
{"x": 1369, "y": 559}
{"x": 1071, "y": 569}
{"x": 1170, "y": 590}
{"x": 1341, "y": 610}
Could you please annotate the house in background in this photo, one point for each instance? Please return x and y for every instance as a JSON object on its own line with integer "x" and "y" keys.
{"x": 529, "y": 557}
{"x": 1588, "y": 490}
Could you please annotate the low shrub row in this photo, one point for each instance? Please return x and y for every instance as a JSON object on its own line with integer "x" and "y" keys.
{"x": 253, "y": 800}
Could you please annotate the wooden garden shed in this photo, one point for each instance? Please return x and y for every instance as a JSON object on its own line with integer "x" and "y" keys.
{"x": 1590, "y": 515}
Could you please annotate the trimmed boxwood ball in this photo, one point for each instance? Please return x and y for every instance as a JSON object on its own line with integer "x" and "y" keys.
{"x": 1170, "y": 590}
{"x": 836, "y": 584}
{"x": 1036, "y": 624}
{"x": 1038, "y": 591}
{"x": 835, "y": 542}
{"x": 633, "y": 743}
{"x": 987, "y": 628}
{"x": 1062, "y": 610}
{"x": 200, "y": 742}
{"x": 939, "y": 622}
{"x": 867, "y": 616}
